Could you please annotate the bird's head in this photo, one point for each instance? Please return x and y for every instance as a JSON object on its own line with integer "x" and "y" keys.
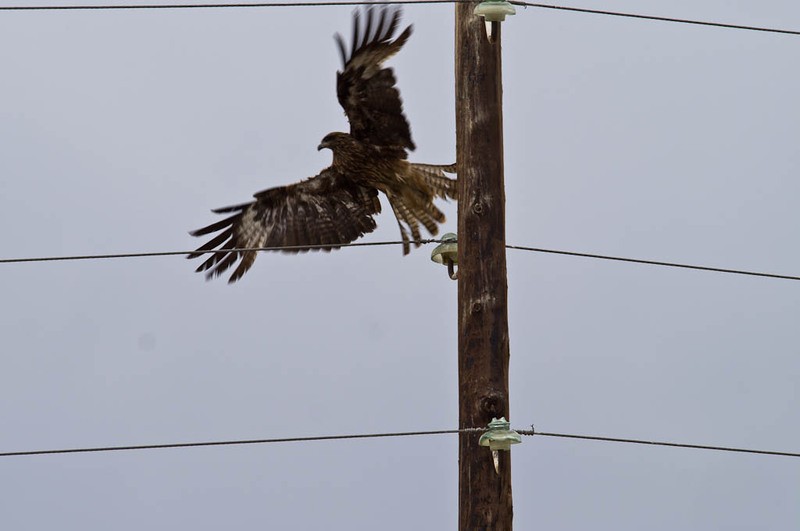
{"x": 332, "y": 140}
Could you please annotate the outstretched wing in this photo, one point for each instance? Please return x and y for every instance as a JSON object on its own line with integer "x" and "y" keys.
{"x": 324, "y": 210}
{"x": 365, "y": 89}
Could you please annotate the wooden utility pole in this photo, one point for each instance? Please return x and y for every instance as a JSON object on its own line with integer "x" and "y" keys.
{"x": 484, "y": 496}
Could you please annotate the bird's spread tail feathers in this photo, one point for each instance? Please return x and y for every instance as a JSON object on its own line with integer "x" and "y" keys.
{"x": 414, "y": 205}
{"x": 433, "y": 175}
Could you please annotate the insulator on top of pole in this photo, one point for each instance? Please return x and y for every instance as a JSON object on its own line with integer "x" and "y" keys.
{"x": 494, "y": 12}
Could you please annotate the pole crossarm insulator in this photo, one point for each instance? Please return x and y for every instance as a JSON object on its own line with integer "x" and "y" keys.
{"x": 446, "y": 253}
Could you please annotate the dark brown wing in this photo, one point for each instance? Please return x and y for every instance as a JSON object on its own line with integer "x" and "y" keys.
{"x": 323, "y": 210}
{"x": 365, "y": 89}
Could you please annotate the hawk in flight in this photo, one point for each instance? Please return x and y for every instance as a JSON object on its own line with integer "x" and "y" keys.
{"x": 338, "y": 205}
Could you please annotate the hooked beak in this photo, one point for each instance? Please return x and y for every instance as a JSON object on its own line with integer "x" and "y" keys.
{"x": 322, "y": 146}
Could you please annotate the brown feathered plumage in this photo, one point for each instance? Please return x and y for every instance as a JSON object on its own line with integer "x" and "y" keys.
{"x": 337, "y": 205}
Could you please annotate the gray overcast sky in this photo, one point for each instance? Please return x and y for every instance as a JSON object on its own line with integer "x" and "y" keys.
{"x": 120, "y": 130}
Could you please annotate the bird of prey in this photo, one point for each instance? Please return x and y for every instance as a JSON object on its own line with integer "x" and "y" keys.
{"x": 337, "y": 206}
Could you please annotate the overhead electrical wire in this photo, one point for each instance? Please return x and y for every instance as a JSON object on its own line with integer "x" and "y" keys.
{"x": 295, "y": 248}
{"x": 530, "y": 432}
{"x": 661, "y": 443}
{"x": 656, "y": 18}
{"x": 301, "y": 248}
{"x": 654, "y": 262}
{"x": 222, "y": 5}
{"x": 228, "y": 443}
{"x": 395, "y": 2}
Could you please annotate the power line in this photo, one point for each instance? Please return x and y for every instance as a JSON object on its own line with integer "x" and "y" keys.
{"x": 233, "y": 443}
{"x": 654, "y": 262}
{"x": 318, "y": 247}
{"x": 398, "y": 242}
{"x": 530, "y": 432}
{"x": 392, "y": 2}
{"x": 660, "y": 19}
{"x": 225, "y": 5}
{"x": 659, "y": 443}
